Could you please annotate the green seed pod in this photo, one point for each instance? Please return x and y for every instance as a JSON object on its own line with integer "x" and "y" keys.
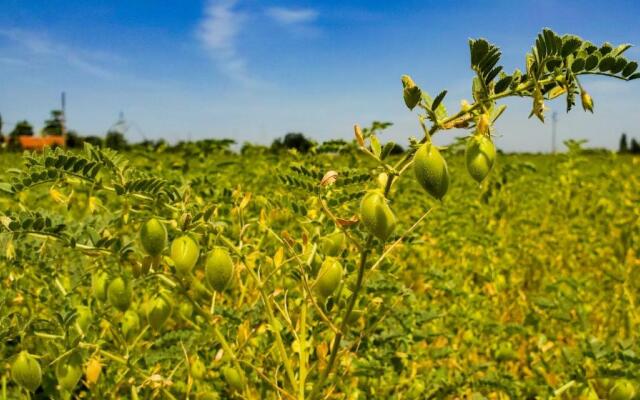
{"x": 219, "y": 269}
{"x": 480, "y": 156}
{"x": 184, "y": 253}
{"x": 411, "y": 93}
{"x": 99, "y": 281}
{"x": 84, "y": 318}
{"x": 333, "y": 244}
{"x": 130, "y": 325}
{"x": 376, "y": 215}
{"x": 208, "y": 396}
{"x": 119, "y": 294}
{"x": 186, "y": 310}
{"x": 26, "y": 371}
{"x": 153, "y": 236}
{"x": 233, "y": 378}
{"x": 158, "y": 311}
{"x": 622, "y": 390}
{"x": 431, "y": 170}
{"x": 198, "y": 369}
{"x": 69, "y": 371}
{"x": 329, "y": 277}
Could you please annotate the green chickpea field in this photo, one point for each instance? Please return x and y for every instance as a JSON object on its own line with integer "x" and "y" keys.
{"x": 349, "y": 271}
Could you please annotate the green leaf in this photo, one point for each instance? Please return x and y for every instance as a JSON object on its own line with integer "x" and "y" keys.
{"x": 375, "y": 145}
{"x": 498, "y": 112}
{"x": 502, "y": 84}
{"x": 621, "y": 49}
{"x": 492, "y": 74}
{"x": 479, "y": 49}
{"x": 578, "y": 65}
{"x": 386, "y": 149}
{"x": 629, "y": 69}
{"x": 606, "y": 49}
{"x": 606, "y": 63}
{"x": 6, "y": 187}
{"x": 411, "y": 96}
{"x": 591, "y": 62}
{"x": 438, "y": 100}
{"x": 570, "y": 45}
{"x": 589, "y": 47}
{"x": 619, "y": 65}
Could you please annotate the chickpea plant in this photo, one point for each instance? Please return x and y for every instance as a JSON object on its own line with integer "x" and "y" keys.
{"x": 163, "y": 294}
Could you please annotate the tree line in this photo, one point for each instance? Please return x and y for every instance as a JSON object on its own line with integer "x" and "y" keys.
{"x": 293, "y": 140}
{"x": 627, "y": 147}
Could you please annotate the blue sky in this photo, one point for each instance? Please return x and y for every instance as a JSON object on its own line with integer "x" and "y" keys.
{"x": 254, "y": 70}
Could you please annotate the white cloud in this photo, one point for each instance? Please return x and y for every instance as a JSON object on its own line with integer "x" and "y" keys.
{"x": 40, "y": 46}
{"x": 292, "y": 16}
{"x": 218, "y": 31}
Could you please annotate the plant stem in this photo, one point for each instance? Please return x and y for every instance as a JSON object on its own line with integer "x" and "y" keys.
{"x": 352, "y": 301}
{"x": 270, "y": 315}
{"x": 302, "y": 344}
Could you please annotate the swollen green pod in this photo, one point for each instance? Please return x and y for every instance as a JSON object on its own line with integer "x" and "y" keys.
{"x": 153, "y": 236}
{"x": 219, "y": 269}
{"x": 431, "y": 170}
{"x": 69, "y": 371}
{"x": 234, "y": 378}
{"x": 480, "y": 156}
{"x": 119, "y": 294}
{"x": 99, "y": 283}
{"x": 184, "y": 253}
{"x": 198, "y": 369}
{"x": 130, "y": 325}
{"x": 84, "y": 318}
{"x": 376, "y": 215}
{"x": 329, "y": 277}
{"x": 333, "y": 244}
{"x": 158, "y": 311}
{"x": 26, "y": 371}
{"x": 622, "y": 390}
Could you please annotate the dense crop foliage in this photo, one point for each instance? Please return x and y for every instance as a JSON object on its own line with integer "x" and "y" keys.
{"x": 436, "y": 273}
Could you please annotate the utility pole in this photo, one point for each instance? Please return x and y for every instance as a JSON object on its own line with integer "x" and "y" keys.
{"x": 554, "y": 121}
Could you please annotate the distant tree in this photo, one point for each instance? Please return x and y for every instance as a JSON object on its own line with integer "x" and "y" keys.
{"x": 624, "y": 147}
{"x": 396, "y": 149}
{"x": 22, "y": 128}
{"x": 1, "y": 134}
{"x": 209, "y": 145}
{"x": 250, "y": 148}
{"x": 293, "y": 140}
{"x": 55, "y": 125}
{"x": 93, "y": 140}
{"x": 74, "y": 140}
{"x": 635, "y": 147}
{"x": 276, "y": 145}
{"x": 115, "y": 140}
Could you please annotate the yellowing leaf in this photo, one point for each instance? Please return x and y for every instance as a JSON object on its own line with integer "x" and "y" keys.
{"x": 245, "y": 201}
{"x": 278, "y": 258}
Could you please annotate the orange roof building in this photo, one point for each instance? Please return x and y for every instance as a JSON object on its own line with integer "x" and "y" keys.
{"x": 38, "y": 143}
